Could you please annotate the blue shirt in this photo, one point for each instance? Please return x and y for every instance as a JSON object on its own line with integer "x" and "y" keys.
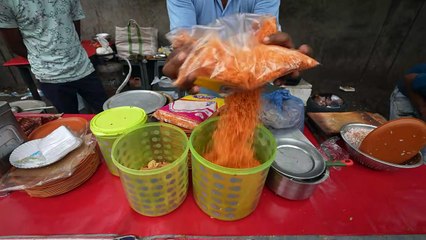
{"x": 187, "y": 13}
{"x": 419, "y": 83}
{"x": 55, "y": 53}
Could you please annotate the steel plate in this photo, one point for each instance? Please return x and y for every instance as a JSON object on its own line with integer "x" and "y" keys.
{"x": 298, "y": 159}
{"x": 370, "y": 161}
{"x": 149, "y": 101}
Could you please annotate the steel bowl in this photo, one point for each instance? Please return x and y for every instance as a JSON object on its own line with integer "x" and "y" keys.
{"x": 370, "y": 161}
{"x": 293, "y": 189}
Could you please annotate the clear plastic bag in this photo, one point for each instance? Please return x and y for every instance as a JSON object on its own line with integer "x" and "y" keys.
{"x": 20, "y": 179}
{"x": 332, "y": 151}
{"x": 282, "y": 110}
{"x": 105, "y": 48}
{"x": 231, "y": 52}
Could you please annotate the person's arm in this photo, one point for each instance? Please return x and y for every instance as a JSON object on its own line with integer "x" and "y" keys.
{"x": 14, "y": 41}
{"x": 181, "y": 14}
{"x": 416, "y": 99}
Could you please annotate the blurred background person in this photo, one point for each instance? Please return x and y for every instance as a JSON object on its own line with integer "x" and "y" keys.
{"x": 48, "y": 34}
{"x": 408, "y": 98}
{"x": 187, "y": 13}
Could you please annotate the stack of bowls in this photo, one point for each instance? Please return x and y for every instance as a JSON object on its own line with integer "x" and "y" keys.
{"x": 297, "y": 170}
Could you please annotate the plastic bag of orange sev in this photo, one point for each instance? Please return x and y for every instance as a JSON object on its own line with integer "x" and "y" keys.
{"x": 230, "y": 51}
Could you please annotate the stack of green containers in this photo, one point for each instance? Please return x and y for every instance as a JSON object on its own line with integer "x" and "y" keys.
{"x": 110, "y": 124}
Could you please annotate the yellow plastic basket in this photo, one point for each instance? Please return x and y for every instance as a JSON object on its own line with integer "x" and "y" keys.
{"x": 153, "y": 192}
{"x": 229, "y": 193}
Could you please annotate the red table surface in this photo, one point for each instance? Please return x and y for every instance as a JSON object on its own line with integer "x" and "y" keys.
{"x": 21, "y": 61}
{"x": 353, "y": 201}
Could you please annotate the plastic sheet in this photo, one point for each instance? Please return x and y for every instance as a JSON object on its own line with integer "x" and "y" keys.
{"x": 355, "y": 202}
{"x": 282, "y": 110}
{"x": 20, "y": 179}
{"x": 332, "y": 151}
{"x": 231, "y": 51}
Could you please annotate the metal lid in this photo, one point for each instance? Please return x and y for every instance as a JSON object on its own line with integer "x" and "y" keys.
{"x": 116, "y": 121}
{"x": 298, "y": 159}
{"x": 149, "y": 101}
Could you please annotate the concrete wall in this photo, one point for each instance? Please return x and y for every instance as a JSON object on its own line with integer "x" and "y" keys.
{"x": 363, "y": 44}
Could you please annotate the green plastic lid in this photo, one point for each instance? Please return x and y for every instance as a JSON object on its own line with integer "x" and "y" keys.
{"x": 116, "y": 121}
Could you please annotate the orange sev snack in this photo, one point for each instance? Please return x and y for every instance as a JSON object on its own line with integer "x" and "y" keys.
{"x": 239, "y": 59}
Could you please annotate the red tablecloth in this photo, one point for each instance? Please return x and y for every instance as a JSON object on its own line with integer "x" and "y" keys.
{"x": 353, "y": 201}
{"x": 21, "y": 61}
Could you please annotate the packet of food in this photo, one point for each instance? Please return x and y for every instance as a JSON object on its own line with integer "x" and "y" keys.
{"x": 186, "y": 113}
{"x": 231, "y": 52}
{"x": 205, "y": 98}
{"x": 222, "y": 88}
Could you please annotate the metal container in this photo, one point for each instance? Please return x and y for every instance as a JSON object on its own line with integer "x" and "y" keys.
{"x": 298, "y": 159}
{"x": 295, "y": 157}
{"x": 110, "y": 73}
{"x": 370, "y": 161}
{"x": 291, "y": 188}
{"x": 11, "y": 136}
{"x": 149, "y": 101}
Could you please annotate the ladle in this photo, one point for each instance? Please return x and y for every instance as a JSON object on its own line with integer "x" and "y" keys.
{"x": 18, "y": 109}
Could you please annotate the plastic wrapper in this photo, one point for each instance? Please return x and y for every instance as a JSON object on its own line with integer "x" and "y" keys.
{"x": 23, "y": 179}
{"x": 30, "y": 122}
{"x": 332, "y": 151}
{"x": 44, "y": 151}
{"x": 231, "y": 52}
{"x": 282, "y": 110}
{"x": 185, "y": 113}
{"x": 166, "y": 86}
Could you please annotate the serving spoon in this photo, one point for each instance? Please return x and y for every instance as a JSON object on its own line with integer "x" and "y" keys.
{"x": 18, "y": 109}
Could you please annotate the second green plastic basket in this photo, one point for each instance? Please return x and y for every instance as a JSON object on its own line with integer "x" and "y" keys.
{"x": 228, "y": 193}
{"x": 153, "y": 192}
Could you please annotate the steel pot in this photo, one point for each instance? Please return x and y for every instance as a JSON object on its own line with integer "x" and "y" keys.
{"x": 293, "y": 189}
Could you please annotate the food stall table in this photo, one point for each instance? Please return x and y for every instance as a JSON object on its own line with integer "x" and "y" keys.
{"x": 353, "y": 201}
{"x": 24, "y": 67}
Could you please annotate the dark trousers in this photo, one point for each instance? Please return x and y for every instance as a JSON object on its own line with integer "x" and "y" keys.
{"x": 64, "y": 95}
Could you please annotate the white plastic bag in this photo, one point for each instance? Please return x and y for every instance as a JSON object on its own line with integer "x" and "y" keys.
{"x": 136, "y": 40}
{"x": 105, "y": 48}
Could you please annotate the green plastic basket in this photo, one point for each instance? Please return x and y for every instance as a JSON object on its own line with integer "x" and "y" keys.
{"x": 108, "y": 125}
{"x": 159, "y": 191}
{"x": 229, "y": 193}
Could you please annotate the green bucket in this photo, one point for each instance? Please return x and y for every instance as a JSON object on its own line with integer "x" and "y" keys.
{"x": 153, "y": 192}
{"x": 110, "y": 124}
{"x": 228, "y": 193}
